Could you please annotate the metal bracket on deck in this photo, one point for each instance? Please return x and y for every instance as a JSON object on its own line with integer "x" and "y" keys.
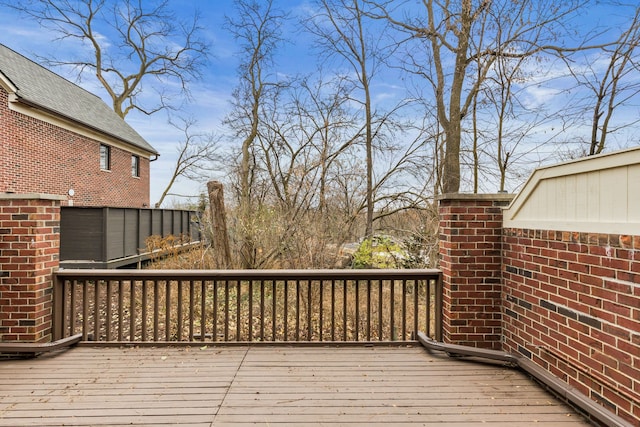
{"x": 554, "y": 383}
{"x": 33, "y": 348}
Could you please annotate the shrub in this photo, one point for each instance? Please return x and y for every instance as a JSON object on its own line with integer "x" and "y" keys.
{"x": 379, "y": 252}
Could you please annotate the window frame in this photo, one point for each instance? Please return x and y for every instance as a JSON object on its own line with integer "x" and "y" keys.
{"x": 105, "y": 157}
{"x": 135, "y": 166}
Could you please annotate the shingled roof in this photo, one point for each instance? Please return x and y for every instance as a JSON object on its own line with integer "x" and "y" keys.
{"x": 41, "y": 88}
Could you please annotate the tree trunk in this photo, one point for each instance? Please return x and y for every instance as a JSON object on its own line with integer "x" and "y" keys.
{"x": 220, "y": 239}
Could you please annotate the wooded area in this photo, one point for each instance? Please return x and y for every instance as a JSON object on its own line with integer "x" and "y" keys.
{"x": 408, "y": 101}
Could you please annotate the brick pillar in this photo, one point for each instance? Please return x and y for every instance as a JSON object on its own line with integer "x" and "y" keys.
{"x": 29, "y": 252}
{"x": 470, "y": 260}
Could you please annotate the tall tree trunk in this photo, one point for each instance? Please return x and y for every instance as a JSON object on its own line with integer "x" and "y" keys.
{"x": 247, "y": 252}
{"x": 369, "y": 149}
{"x": 220, "y": 237}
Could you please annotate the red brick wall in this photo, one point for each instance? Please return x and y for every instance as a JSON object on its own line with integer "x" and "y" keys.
{"x": 29, "y": 252}
{"x": 470, "y": 259}
{"x": 38, "y": 157}
{"x": 572, "y": 305}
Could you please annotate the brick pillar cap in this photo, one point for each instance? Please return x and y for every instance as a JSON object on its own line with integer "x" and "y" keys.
{"x": 499, "y": 197}
{"x": 31, "y": 196}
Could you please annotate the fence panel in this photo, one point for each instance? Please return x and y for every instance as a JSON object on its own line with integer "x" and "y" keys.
{"x": 110, "y": 237}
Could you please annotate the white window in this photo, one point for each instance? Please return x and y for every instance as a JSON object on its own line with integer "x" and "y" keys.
{"x": 135, "y": 166}
{"x": 105, "y": 157}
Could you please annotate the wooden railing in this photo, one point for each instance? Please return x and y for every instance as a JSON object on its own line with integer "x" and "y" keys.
{"x": 247, "y": 305}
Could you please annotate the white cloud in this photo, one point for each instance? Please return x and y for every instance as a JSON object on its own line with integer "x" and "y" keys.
{"x": 537, "y": 95}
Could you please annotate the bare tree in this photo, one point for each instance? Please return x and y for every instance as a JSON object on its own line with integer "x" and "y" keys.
{"x": 611, "y": 80}
{"x": 257, "y": 29}
{"x": 499, "y": 91}
{"x": 340, "y": 31}
{"x": 458, "y": 40}
{"x": 327, "y": 123}
{"x": 131, "y": 44}
{"x": 306, "y": 134}
{"x": 301, "y": 136}
{"x": 197, "y": 155}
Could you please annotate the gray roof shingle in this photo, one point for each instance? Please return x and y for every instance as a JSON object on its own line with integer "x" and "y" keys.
{"x": 41, "y": 87}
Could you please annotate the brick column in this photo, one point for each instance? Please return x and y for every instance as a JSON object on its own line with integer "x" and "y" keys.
{"x": 29, "y": 253}
{"x": 470, "y": 260}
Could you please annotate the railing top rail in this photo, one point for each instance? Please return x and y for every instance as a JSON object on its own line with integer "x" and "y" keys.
{"x": 387, "y": 274}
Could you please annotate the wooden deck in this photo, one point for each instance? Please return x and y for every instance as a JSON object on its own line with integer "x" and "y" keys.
{"x": 219, "y": 386}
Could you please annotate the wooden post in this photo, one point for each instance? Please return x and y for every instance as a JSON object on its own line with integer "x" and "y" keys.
{"x": 220, "y": 239}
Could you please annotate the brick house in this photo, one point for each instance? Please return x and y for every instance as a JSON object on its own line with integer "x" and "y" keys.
{"x": 59, "y": 139}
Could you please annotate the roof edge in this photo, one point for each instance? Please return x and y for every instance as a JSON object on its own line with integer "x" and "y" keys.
{"x": 49, "y": 70}
{"x": 49, "y": 112}
{"x": 7, "y": 84}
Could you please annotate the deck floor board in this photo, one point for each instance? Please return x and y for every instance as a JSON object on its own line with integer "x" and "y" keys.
{"x": 284, "y": 386}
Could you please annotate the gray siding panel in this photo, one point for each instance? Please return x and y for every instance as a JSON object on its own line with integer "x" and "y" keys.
{"x": 130, "y": 236}
{"x": 103, "y": 235}
{"x": 115, "y": 233}
{"x": 167, "y": 223}
{"x": 145, "y": 229}
{"x": 156, "y": 220}
{"x": 82, "y": 233}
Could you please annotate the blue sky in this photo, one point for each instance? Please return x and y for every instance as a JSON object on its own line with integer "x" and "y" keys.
{"x": 211, "y": 95}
